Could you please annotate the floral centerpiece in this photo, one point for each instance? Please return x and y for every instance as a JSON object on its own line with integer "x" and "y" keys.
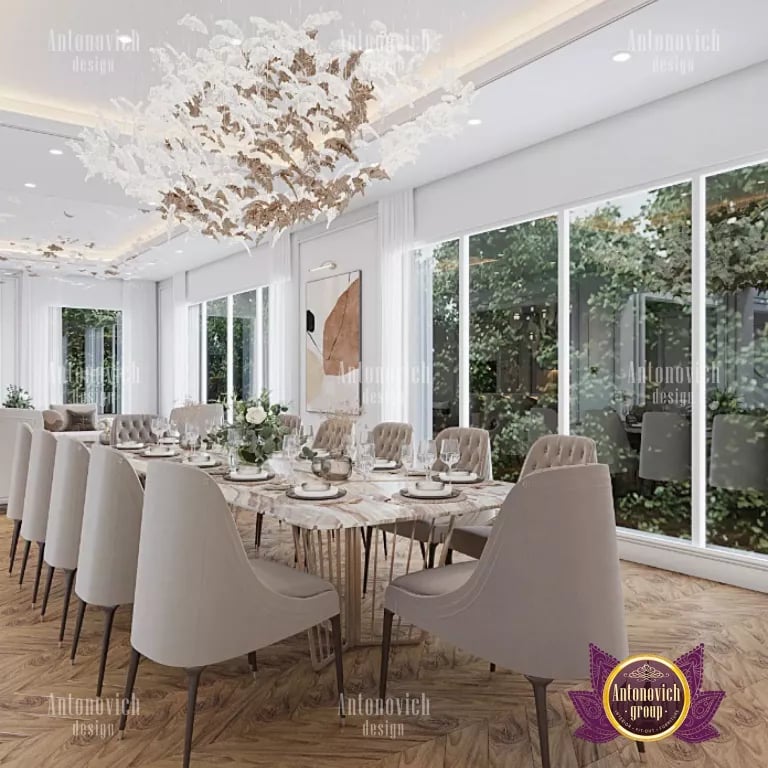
{"x": 16, "y": 397}
{"x": 256, "y": 430}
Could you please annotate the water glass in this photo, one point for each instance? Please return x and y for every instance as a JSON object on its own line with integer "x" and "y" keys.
{"x": 427, "y": 455}
{"x": 191, "y": 436}
{"x": 366, "y": 459}
{"x": 406, "y": 458}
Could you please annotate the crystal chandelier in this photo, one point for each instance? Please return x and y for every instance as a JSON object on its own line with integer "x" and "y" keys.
{"x": 256, "y": 133}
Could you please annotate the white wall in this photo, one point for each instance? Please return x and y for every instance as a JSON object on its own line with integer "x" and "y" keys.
{"x": 28, "y": 351}
{"x": 352, "y": 243}
{"x": 720, "y": 122}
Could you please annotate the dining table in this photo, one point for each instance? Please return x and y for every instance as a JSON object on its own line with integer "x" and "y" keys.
{"x": 328, "y": 535}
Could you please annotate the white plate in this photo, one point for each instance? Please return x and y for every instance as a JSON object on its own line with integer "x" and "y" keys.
{"x": 328, "y": 494}
{"x": 129, "y": 446}
{"x": 246, "y": 475}
{"x": 202, "y": 464}
{"x": 385, "y": 464}
{"x": 469, "y": 477}
{"x": 428, "y": 494}
{"x": 168, "y": 441}
{"x": 170, "y": 453}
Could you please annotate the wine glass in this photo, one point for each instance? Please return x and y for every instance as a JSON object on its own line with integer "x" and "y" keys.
{"x": 156, "y": 427}
{"x": 366, "y": 459}
{"x": 450, "y": 455}
{"x": 173, "y": 429}
{"x": 291, "y": 451}
{"x": 428, "y": 454}
{"x": 307, "y": 435}
{"x": 234, "y": 442}
{"x": 191, "y": 436}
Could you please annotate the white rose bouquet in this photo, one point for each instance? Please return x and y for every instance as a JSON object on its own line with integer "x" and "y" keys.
{"x": 256, "y": 427}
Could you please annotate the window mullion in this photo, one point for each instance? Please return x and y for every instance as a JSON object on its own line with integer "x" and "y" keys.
{"x": 464, "y": 380}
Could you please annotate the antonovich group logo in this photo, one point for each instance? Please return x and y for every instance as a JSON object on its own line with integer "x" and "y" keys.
{"x": 646, "y": 698}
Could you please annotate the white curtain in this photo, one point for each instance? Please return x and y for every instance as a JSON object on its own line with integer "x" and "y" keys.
{"x": 395, "y": 261}
{"x": 283, "y": 333}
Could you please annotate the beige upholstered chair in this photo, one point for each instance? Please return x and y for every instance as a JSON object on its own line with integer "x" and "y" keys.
{"x": 475, "y": 450}
{"x": 199, "y": 416}
{"x": 332, "y": 433}
{"x": 606, "y": 429}
{"x": 10, "y": 418}
{"x": 291, "y": 421}
{"x": 665, "y": 447}
{"x": 65, "y": 519}
{"x": 388, "y": 437}
{"x": 127, "y": 427}
{"x": 109, "y": 543}
{"x": 18, "y": 488}
{"x": 199, "y": 600}
{"x": 547, "y": 585}
{"x": 547, "y": 452}
{"x": 37, "y": 500}
{"x": 739, "y": 458}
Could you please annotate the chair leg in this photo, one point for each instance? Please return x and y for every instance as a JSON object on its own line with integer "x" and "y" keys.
{"x": 193, "y": 681}
{"x": 38, "y": 570}
{"x": 78, "y": 627}
{"x": 259, "y": 525}
{"x": 69, "y": 577}
{"x": 384, "y": 542}
{"x": 432, "y": 552}
{"x": 338, "y": 653}
{"x": 492, "y": 667}
{"x": 423, "y": 553}
{"x": 47, "y": 590}
{"x": 252, "y": 663}
{"x": 24, "y": 558}
{"x": 14, "y": 543}
{"x": 449, "y": 557}
{"x": 386, "y": 641}
{"x": 367, "y": 534}
{"x": 130, "y": 681}
{"x": 109, "y": 617}
{"x": 641, "y": 748}
{"x": 540, "y": 696}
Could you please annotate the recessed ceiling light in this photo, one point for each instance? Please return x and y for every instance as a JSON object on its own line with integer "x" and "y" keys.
{"x": 55, "y": 152}
{"x": 621, "y": 56}
{"x": 30, "y": 185}
{"x": 474, "y": 121}
{"x": 236, "y": 41}
{"x": 179, "y": 251}
{"x": 124, "y": 39}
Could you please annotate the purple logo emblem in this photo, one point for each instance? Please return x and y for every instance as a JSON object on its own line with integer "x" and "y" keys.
{"x": 646, "y": 698}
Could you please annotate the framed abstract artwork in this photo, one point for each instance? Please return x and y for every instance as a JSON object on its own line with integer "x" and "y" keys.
{"x": 333, "y": 336}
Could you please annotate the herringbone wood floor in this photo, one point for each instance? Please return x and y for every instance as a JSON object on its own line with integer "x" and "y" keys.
{"x": 286, "y": 716}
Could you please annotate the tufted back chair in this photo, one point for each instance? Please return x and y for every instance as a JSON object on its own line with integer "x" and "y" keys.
{"x": 290, "y": 421}
{"x": 332, "y": 433}
{"x": 474, "y": 447}
{"x": 199, "y": 416}
{"x": 388, "y": 437}
{"x": 559, "y": 451}
{"x": 129, "y": 427}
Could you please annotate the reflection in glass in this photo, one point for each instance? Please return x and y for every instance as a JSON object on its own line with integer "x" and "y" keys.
{"x": 631, "y": 351}
{"x": 513, "y": 338}
{"x": 91, "y": 343}
{"x": 445, "y": 335}
{"x": 216, "y": 342}
{"x": 737, "y": 356}
{"x": 249, "y": 353}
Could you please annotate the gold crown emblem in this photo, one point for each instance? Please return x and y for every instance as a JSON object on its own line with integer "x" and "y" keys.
{"x": 647, "y": 672}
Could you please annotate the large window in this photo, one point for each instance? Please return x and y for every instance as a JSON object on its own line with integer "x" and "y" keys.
{"x": 737, "y": 358}
{"x": 91, "y": 348}
{"x": 667, "y": 333}
{"x": 513, "y": 338}
{"x": 216, "y": 350}
{"x": 631, "y": 351}
{"x": 445, "y": 334}
{"x": 229, "y": 346}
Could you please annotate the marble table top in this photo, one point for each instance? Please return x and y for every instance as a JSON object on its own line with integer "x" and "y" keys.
{"x": 365, "y": 504}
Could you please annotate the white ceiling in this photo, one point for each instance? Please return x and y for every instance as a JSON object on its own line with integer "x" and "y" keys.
{"x": 566, "y": 87}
